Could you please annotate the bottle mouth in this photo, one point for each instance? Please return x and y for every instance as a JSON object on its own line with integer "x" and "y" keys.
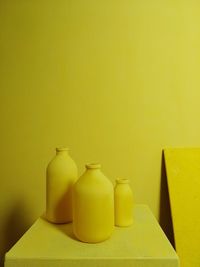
{"x": 59, "y": 149}
{"x": 93, "y": 166}
{"x": 122, "y": 181}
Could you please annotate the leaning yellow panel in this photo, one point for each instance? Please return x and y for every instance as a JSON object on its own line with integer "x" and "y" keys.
{"x": 183, "y": 175}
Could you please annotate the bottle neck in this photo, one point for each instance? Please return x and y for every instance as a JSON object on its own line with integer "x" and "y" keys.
{"x": 93, "y": 167}
{"x": 122, "y": 181}
{"x": 62, "y": 151}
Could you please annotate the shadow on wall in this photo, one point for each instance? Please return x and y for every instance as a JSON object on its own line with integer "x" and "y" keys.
{"x": 15, "y": 226}
{"x": 165, "y": 218}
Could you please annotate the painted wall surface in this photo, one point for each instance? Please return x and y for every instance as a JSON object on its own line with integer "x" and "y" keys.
{"x": 115, "y": 80}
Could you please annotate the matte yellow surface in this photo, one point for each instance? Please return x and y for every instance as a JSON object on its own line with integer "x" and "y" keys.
{"x": 141, "y": 245}
{"x": 61, "y": 174}
{"x": 124, "y": 203}
{"x": 115, "y": 80}
{"x": 93, "y": 206}
{"x": 183, "y": 175}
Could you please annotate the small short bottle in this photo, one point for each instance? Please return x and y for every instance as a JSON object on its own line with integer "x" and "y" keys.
{"x": 123, "y": 196}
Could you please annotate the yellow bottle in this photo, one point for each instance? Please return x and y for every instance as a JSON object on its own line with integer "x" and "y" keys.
{"x": 93, "y": 206}
{"x": 61, "y": 174}
{"x": 123, "y": 203}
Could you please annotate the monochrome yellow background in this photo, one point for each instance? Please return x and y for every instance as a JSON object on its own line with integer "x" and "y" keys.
{"x": 115, "y": 80}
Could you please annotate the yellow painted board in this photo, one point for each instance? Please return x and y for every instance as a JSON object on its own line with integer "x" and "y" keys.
{"x": 142, "y": 245}
{"x": 183, "y": 176}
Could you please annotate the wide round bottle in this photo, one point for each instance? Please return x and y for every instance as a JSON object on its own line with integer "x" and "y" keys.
{"x": 93, "y": 206}
{"x": 123, "y": 203}
{"x": 61, "y": 174}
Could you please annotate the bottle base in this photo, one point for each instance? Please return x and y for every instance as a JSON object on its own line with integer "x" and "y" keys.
{"x": 92, "y": 240}
{"x": 54, "y": 221}
{"x": 123, "y": 224}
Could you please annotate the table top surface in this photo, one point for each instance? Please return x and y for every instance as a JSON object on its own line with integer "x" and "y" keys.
{"x": 144, "y": 239}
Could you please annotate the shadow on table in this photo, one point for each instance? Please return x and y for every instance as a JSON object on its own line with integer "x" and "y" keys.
{"x": 15, "y": 226}
{"x": 165, "y": 218}
{"x": 65, "y": 228}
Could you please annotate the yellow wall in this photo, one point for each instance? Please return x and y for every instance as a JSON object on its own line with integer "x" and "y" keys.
{"x": 115, "y": 80}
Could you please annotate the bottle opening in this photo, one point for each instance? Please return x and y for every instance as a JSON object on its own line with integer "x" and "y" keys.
{"x": 122, "y": 181}
{"x": 93, "y": 166}
{"x": 59, "y": 149}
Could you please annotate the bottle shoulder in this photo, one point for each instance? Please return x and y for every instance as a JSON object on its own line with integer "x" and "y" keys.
{"x": 94, "y": 181}
{"x": 64, "y": 161}
{"x": 62, "y": 168}
{"x": 124, "y": 189}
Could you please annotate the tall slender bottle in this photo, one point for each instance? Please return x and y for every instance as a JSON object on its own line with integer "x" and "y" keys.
{"x": 123, "y": 203}
{"x": 61, "y": 174}
{"x": 93, "y": 203}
